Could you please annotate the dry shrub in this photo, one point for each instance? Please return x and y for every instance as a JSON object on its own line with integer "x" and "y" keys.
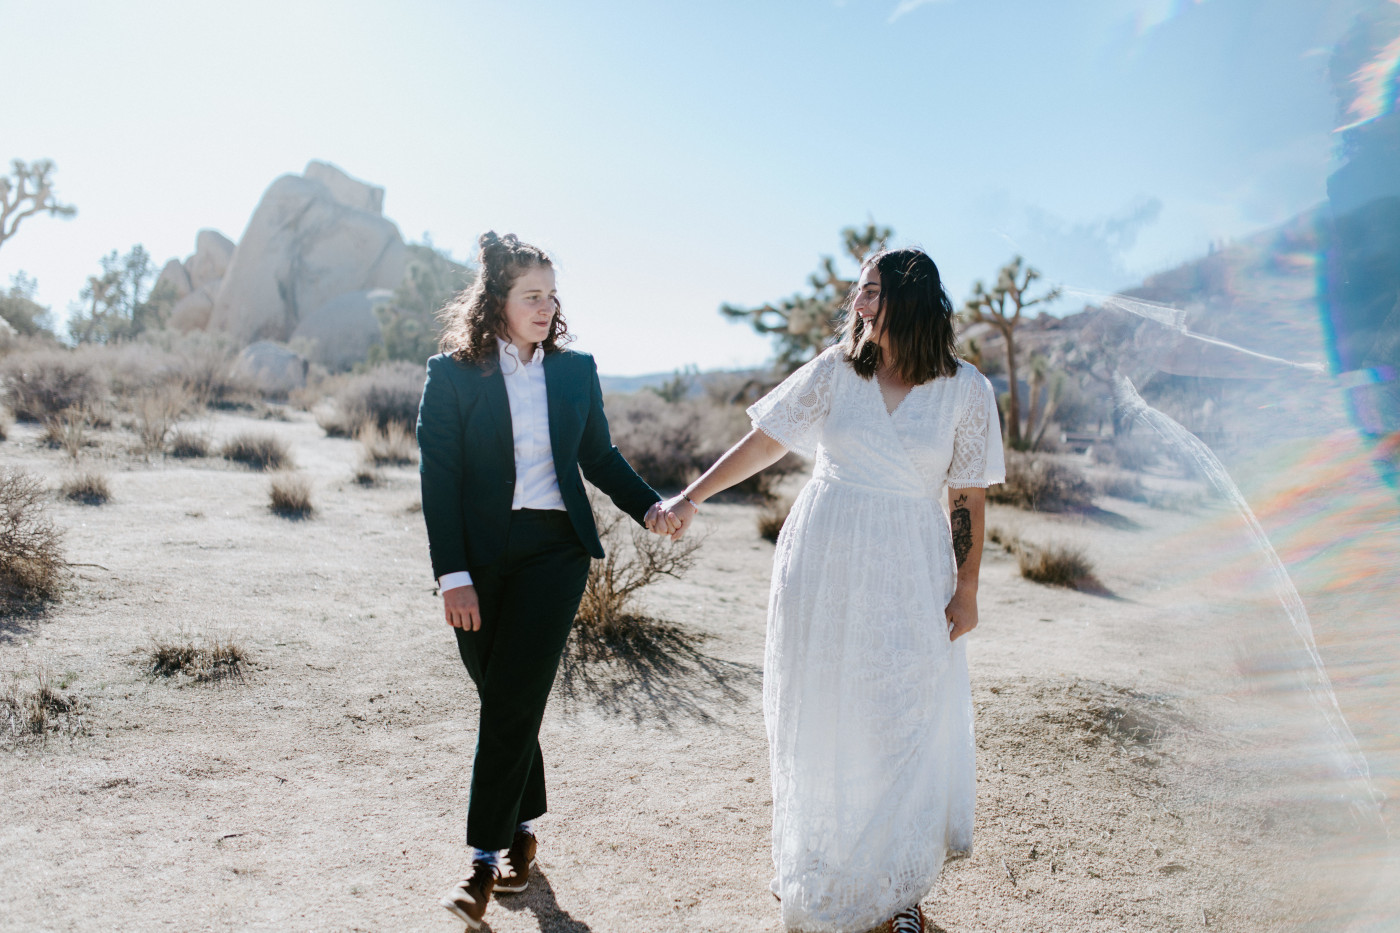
{"x": 670, "y": 443}
{"x": 32, "y": 568}
{"x": 1057, "y": 565}
{"x": 39, "y": 709}
{"x": 1042, "y": 483}
{"x": 1122, "y": 485}
{"x": 1002, "y": 538}
{"x": 366, "y": 475}
{"x": 393, "y": 445}
{"x": 208, "y": 370}
{"x": 88, "y": 487}
{"x": 44, "y": 382}
{"x": 187, "y": 444}
{"x": 68, "y": 430}
{"x": 636, "y": 558}
{"x": 259, "y": 451}
{"x": 202, "y": 660}
{"x": 772, "y": 518}
{"x": 385, "y": 395}
{"x": 157, "y": 410}
{"x": 290, "y": 496}
{"x": 6, "y": 422}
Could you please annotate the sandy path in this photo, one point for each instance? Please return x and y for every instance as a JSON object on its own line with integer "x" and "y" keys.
{"x": 326, "y": 791}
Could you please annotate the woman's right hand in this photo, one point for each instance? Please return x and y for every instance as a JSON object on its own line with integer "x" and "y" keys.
{"x": 462, "y": 608}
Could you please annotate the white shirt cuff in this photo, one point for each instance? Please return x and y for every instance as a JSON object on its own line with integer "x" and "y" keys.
{"x": 450, "y": 581}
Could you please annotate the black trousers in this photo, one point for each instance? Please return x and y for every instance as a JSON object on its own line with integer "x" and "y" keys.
{"x": 529, "y": 597}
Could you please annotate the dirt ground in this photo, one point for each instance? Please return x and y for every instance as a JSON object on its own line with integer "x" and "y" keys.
{"x": 1147, "y": 761}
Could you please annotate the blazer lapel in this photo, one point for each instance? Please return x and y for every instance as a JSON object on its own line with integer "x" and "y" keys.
{"x": 556, "y": 400}
{"x": 498, "y": 405}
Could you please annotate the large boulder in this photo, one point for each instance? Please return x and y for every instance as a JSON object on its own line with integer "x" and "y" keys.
{"x": 192, "y": 312}
{"x": 175, "y": 279}
{"x": 340, "y": 332}
{"x": 348, "y": 191}
{"x": 273, "y": 368}
{"x": 304, "y": 246}
{"x": 212, "y": 252}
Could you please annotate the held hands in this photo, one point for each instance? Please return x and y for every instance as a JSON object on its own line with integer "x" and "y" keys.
{"x": 961, "y": 613}
{"x": 671, "y": 517}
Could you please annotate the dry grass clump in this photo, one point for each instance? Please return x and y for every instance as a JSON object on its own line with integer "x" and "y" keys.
{"x": 1042, "y": 483}
{"x": 636, "y": 558}
{"x": 1057, "y": 565}
{"x": 157, "y": 410}
{"x": 68, "y": 430}
{"x": 772, "y": 518}
{"x": 32, "y": 568}
{"x": 290, "y": 496}
{"x": 366, "y": 475}
{"x": 259, "y": 451}
{"x": 393, "y": 445}
{"x": 41, "y": 383}
{"x": 1122, "y": 485}
{"x": 34, "y": 711}
{"x": 187, "y": 444}
{"x": 384, "y": 396}
{"x": 88, "y": 487}
{"x": 202, "y": 660}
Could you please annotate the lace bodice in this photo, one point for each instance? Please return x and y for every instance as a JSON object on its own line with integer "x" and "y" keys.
{"x": 945, "y": 433}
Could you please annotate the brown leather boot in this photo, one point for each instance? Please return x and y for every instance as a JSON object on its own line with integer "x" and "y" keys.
{"x": 520, "y": 858}
{"x": 469, "y": 898}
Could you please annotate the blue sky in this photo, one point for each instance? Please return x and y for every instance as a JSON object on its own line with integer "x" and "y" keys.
{"x": 676, "y": 156}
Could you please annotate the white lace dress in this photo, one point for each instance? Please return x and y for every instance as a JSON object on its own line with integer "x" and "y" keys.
{"x": 866, "y": 701}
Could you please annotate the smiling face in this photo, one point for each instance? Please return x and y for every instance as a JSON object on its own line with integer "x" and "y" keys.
{"x": 867, "y": 305}
{"x": 530, "y": 308}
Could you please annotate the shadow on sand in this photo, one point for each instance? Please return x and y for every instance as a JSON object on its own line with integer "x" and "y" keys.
{"x": 652, "y": 672}
{"x": 539, "y": 900}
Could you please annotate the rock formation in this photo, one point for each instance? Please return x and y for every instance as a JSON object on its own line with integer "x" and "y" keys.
{"x": 273, "y": 368}
{"x": 339, "y": 333}
{"x": 312, "y": 238}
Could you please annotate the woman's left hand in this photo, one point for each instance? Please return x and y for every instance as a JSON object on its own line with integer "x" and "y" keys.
{"x": 961, "y": 613}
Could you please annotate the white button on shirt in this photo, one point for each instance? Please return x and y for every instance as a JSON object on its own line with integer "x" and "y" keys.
{"x": 536, "y": 484}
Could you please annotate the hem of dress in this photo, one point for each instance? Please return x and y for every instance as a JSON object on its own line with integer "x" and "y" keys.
{"x": 787, "y": 445}
{"x": 974, "y": 483}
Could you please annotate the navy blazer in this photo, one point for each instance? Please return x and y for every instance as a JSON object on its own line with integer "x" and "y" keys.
{"x": 467, "y": 456}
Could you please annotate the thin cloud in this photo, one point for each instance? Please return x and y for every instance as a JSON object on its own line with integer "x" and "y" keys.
{"x": 909, "y": 6}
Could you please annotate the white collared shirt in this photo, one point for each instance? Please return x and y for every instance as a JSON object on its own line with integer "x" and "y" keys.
{"x": 536, "y": 484}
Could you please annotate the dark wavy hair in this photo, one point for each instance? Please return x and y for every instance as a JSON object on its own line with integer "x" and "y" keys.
{"x": 917, "y": 316}
{"x": 475, "y": 316}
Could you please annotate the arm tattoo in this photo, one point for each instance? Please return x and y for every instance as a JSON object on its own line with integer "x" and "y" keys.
{"x": 961, "y": 520}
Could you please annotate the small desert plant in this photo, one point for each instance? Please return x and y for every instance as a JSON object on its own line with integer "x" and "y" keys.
{"x": 385, "y": 395}
{"x": 187, "y": 444}
{"x": 772, "y": 518}
{"x": 1042, "y": 483}
{"x": 88, "y": 487}
{"x": 37, "y": 710}
{"x": 202, "y": 660}
{"x": 259, "y": 451}
{"x": 1002, "y": 538}
{"x": 635, "y": 559}
{"x": 1057, "y": 565}
{"x": 68, "y": 429}
{"x": 32, "y": 567}
{"x": 290, "y": 496}
{"x": 389, "y": 446}
{"x": 157, "y": 410}
{"x": 366, "y": 475}
{"x": 42, "y": 383}
{"x": 1121, "y": 485}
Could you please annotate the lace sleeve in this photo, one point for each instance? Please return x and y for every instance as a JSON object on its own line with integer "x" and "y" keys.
{"x": 793, "y": 413}
{"x": 978, "y": 459}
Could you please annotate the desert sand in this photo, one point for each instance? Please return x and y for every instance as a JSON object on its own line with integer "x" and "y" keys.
{"x": 1142, "y": 764}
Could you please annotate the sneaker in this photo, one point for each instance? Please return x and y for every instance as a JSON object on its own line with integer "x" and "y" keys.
{"x": 906, "y": 921}
{"x": 468, "y": 900}
{"x": 515, "y": 874}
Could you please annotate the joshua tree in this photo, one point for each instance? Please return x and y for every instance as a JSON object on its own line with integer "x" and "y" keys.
{"x": 115, "y": 305}
{"x": 1001, "y": 306}
{"x": 26, "y": 191}
{"x": 803, "y": 324}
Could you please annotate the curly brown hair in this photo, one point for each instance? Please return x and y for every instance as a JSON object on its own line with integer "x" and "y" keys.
{"x": 917, "y": 314}
{"x": 475, "y": 316}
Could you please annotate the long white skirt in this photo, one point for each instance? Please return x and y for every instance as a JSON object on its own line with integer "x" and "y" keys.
{"x": 867, "y": 706}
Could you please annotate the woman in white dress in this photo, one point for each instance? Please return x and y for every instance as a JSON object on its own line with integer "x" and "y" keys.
{"x": 866, "y": 694}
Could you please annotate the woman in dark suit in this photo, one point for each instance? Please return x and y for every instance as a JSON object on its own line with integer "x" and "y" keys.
{"x": 508, "y": 420}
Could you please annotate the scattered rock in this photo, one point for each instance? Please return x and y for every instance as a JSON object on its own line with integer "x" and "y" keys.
{"x": 275, "y": 369}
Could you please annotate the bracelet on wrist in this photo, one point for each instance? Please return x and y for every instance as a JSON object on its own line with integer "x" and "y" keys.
{"x": 692, "y": 503}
